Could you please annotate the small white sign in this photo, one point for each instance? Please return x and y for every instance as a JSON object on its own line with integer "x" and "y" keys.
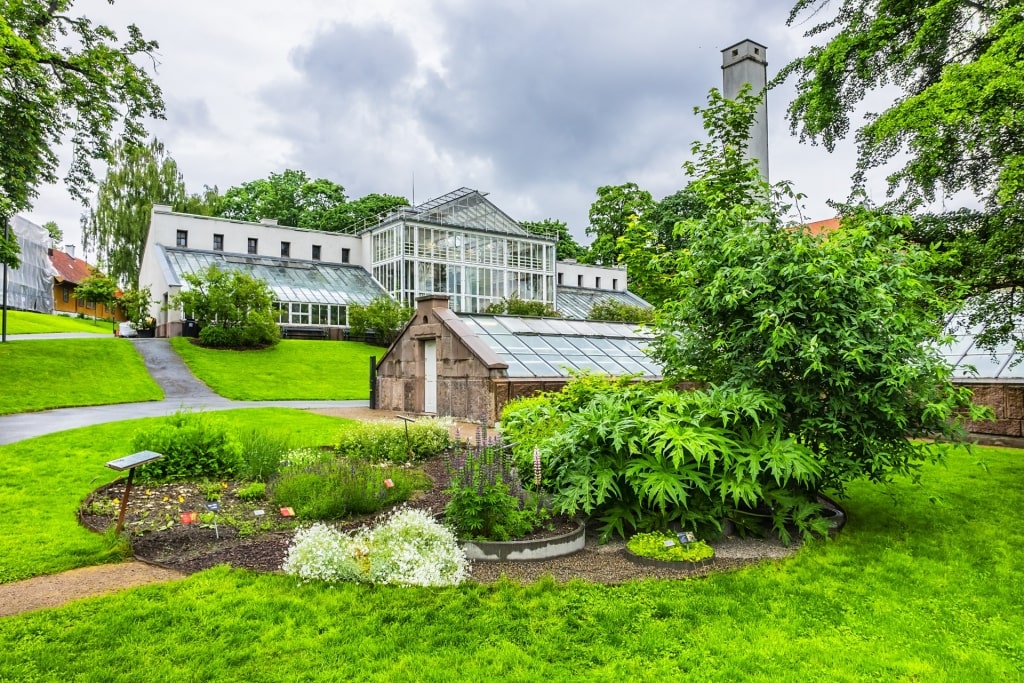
{"x": 259, "y": 513}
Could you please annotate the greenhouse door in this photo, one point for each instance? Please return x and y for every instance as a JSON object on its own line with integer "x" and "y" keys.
{"x": 430, "y": 376}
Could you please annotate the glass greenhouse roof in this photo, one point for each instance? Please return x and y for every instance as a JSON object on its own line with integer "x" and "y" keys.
{"x": 576, "y": 302}
{"x": 551, "y": 347}
{"x": 464, "y": 208}
{"x": 970, "y": 361}
{"x": 290, "y": 280}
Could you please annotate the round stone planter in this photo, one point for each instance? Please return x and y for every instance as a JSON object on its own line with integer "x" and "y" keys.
{"x": 536, "y": 549}
{"x": 666, "y": 564}
{"x": 833, "y": 512}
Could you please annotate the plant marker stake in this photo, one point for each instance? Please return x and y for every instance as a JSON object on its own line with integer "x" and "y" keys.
{"x": 258, "y": 514}
{"x": 130, "y": 462}
{"x": 213, "y": 507}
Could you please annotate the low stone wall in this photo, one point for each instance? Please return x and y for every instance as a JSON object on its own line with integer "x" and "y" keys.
{"x": 1006, "y": 401}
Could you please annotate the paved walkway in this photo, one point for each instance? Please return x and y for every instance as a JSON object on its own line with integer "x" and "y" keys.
{"x": 181, "y": 390}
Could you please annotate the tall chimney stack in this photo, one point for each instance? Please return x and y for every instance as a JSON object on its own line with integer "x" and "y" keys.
{"x": 747, "y": 62}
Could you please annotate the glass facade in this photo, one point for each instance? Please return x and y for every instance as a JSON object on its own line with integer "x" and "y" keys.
{"x": 475, "y": 268}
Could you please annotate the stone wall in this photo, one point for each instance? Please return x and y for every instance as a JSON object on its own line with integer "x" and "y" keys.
{"x": 1006, "y": 401}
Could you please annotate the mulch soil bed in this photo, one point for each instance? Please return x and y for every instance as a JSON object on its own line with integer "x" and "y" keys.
{"x": 195, "y": 547}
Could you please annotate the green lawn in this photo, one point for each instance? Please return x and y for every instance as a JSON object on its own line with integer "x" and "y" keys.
{"x": 292, "y": 370}
{"x": 60, "y": 373}
{"x": 23, "y": 322}
{"x": 924, "y": 584}
{"x": 43, "y": 481}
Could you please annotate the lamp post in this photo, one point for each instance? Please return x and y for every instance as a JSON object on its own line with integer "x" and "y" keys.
{"x": 3, "y": 334}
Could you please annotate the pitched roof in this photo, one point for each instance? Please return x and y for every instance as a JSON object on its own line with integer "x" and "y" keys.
{"x": 67, "y": 268}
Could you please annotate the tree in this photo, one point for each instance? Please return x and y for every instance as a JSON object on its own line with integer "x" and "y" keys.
{"x": 291, "y": 198}
{"x": 56, "y": 234}
{"x": 209, "y": 202}
{"x": 117, "y": 227}
{"x": 64, "y": 77}
{"x": 384, "y": 316}
{"x": 233, "y": 309}
{"x": 136, "y": 305}
{"x": 956, "y": 122}
{"x": 610, "y": 215}
{"x": 567, "y": 248}
{"x": 97, "y": 289}
{"x": 367, "y": 211}
{"x": 839, "y": 332}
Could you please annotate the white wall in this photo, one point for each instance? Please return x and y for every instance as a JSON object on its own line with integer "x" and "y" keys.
{"x": 593, "y": 277}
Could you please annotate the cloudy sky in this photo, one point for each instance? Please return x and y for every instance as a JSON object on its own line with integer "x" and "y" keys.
{"x": 536, "y": 103}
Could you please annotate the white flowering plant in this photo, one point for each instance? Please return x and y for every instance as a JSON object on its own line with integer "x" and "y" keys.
{"x": 409, "y": 548}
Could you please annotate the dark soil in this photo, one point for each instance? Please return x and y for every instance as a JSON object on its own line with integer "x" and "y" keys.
{"x": 196, "y": 547}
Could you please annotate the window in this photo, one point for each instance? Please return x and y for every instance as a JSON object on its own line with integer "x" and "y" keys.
{"x": 218, "y": 242}
{"x": 597, "y": 283}
{"x": 286, "y": 248}
{"x": 316, "y": 252}
{"x": 579, "y": 280}
{"x": 615, "y": 283}
{"x": 345, "y": 254}
{"x": 182, "y": 240}
{"x": 65, "y": 295}
{"x": 252, "y": 245}
{"x": 559, "y": 278}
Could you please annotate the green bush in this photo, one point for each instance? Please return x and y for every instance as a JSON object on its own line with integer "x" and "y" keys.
{"x": 643, "y": 456}
{"x": 487, "y": 497}
{"x": 385, "y": 441}
{"x": 262, "y": 452}
{"x": 195, "y": 446}
{"x": 342, "y": 488}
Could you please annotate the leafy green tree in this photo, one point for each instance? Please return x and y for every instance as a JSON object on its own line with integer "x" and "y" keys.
{"x": 514, "y": 305}
{"x": 97, "y": 289}
{"x": 135, "y": 303}
{"x": 290, "y": 197}
{"x": 384, "y": 316}
{"x": 366, "y": 211}
{"x": 568, "y": 247}
{"x": 610, "y": 215}
{"x": 117, "y": 226}
{"x": 56, "y": 234}
{"x": 64, "y": 78}
{"x": 955, "y": 124}
{"x": 233, "y": 309}
{"x": 209, "y": 202}
{"x": 838, "y": 331}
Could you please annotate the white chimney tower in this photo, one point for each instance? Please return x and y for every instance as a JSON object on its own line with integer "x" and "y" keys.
{"x": 747, "y": 62}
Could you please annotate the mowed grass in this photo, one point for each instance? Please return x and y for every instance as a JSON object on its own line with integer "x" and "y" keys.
{"x": 292, "y": 370}
{"x": 24, "y": 322}
{"x": 44, "y": 480}
{"x": 924, "y": 584}
{"x": 60, "y": 373}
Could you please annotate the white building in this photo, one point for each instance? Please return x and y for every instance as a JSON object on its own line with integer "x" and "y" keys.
{"x": 459, "y": 244}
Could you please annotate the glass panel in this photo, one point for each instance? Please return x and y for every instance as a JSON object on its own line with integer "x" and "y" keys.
{"x": 985, "y": 365}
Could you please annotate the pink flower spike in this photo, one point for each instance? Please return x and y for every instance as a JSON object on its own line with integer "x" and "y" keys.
{"x": 536, "y": 466}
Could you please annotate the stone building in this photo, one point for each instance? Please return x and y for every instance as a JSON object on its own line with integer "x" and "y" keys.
{"x": 468, "y": 365}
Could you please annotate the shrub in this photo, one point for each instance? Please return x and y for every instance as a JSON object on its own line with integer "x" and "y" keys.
{"x": 195, "y": 446}
{"x": 233, "y": 308}
{"x": 643, "y": 456}
{"x": 384, "y": 316}
{"x": 409, "y": 549}
{"x": 515, "y": 305}
{"x": 385, "y": 441}
{"x": 618, "y": 311}
{"x": 262, "y": 452}
{"x": 487, "y": 497}
{"x": 341, "y": 488}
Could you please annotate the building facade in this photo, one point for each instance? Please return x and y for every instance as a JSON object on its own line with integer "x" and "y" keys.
{"x": 460, "y": 245}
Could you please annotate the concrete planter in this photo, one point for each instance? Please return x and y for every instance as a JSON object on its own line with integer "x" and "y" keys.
{"x": 537, "y": 549}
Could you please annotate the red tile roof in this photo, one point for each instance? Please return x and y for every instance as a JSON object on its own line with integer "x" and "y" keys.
{"x": 828, "y": 225}
{"x": 69, "y": 269}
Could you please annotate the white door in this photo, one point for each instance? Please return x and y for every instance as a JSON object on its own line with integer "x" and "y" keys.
{"x": 430, "y": 376}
